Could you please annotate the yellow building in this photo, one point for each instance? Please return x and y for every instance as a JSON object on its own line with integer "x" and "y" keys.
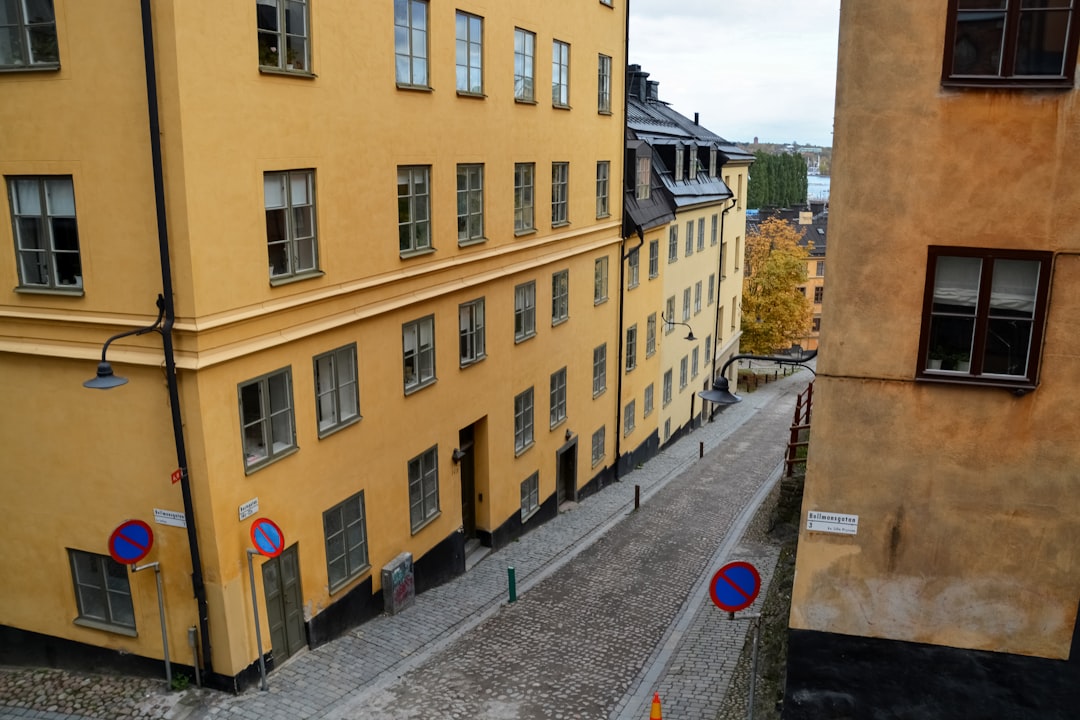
{"x": 369, "y": 397}
{"x": 938, "y": 572}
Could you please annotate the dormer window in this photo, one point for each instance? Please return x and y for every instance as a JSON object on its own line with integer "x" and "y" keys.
{"x": 678, "y": 162}
{"x": 712, "y": 162}
{"x": 641, "y": 185}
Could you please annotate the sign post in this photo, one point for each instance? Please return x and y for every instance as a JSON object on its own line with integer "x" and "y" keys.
{"x": 268, "y": 540}
{"x": 129, "y": 543}
{"x": 734, "y": 587}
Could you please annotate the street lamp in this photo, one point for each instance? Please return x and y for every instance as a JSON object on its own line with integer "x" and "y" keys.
{"x": 105, "y": 379}
{"x": 689, "y": 336}
{"x": 720, "y": 393}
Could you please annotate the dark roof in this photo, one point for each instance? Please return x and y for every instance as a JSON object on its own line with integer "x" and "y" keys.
{"x": 816, "y": 231}
{"x": 659, "y": 208}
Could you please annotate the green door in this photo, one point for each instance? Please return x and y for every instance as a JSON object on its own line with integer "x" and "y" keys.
{"x": 284, "y": 603}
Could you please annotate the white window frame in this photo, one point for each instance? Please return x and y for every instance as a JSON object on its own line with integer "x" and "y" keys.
{"x": 414, "y": 189}
{"x": 470, "y": 203}
{"x": 599, "y": 371}
{"x": 689, "y": 238}
{"x": 599, "y": 441}
{"x": 288, "y": 33}
{"x": 271, "y": 425}
{"x": 28, "y": 33}
{"x": 296, "y": 247}
{"x": 524, "y": 311}
{"x": 629, "y": 421}
{"x": 423, "y": 471}
{"x": 524, "y": 197}
{"x": 711, "y": 297}
{"x": 530, "y": 496}
{"x": 647, "y": 409}
{"x": 418, "y": 358}
{"x": 650, "y": 335}
{"x": 678, "y": 162}
{"x": 102, "y": 592}
{"x": 695, "y": 362}
{"x": 524, "y": 66}
{"x": 600, "y": 280}
{"x": 43, "y": 218}
{"x": 411, "y": 57}
{"x": 667, "y": 387}
{"x": 701, "y": 234}
{"x": 560, "y": 297}
{"x": 669, "y": 314}
{"x": 560, "y": 74}
{"x": 673, "y": 243}
{"x": 631, "y": 347}
{"x": 654, "y": 259}
{"x": 603, "y": 85}
{"x": 697, "y": 297}
{"x": 560, "y": 193}
{"x": 558, "y": 397}
{"x": 603, "y": 179}
{"x": 715, "y": 226}
{"x": 469, "y": 36}
{"x": 686, "y": 305}
{"x": 683, "y": 365}
{"x": 472, "y": 334}
{"x": 523, "y": 421}
{"x": 337, "y": 389}
{"x": 633, "y": 269}
{"x": 643, "y": 177}
{"x": 346, "y": 542}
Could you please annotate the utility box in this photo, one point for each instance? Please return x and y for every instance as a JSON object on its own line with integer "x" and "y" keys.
{"x": 399, "y": 591}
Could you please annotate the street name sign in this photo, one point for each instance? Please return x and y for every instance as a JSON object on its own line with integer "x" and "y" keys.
{"x": 836, "y": 523}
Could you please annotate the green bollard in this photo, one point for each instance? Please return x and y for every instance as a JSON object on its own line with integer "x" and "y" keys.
{"x": 513, "y": 583}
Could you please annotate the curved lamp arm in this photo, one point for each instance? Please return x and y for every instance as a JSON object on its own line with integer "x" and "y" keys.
{"x": 690, "y": 335}
{"x": 720, "y": 392}
{"x": 105, "y": 378}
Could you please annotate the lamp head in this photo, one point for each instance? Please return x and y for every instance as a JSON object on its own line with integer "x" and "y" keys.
{"x": 719, "y": 393}
{"x": 458, "y": 455}
{"x": 690, "y": 335}
{"x": 105, "y": 379}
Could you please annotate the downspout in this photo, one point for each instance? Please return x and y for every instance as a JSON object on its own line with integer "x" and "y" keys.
{"x": 622, "y": 333}
{"x": 197, "y": 582}
{"x": 622, "y": 243}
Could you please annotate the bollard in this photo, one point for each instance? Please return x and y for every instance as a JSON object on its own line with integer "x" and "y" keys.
{"x": 700, "y": 450}
{"x": 510, "y": 576}
{"x": 637, "y": 497}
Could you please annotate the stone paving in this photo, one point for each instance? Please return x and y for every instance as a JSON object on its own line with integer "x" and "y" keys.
{"x": 587, "y": 639}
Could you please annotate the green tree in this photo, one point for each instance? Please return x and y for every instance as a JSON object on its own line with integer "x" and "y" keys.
{"x": 777, "y": 180}
{"x": 775, "y": 313}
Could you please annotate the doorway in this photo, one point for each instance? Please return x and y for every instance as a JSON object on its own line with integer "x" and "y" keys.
{"x": 466, "y": 460}
{"x": 566, "y": 473}
{"x": 284, "y": 603}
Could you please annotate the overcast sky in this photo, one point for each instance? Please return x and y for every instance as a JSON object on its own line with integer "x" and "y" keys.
{"x": 764, "y": 68}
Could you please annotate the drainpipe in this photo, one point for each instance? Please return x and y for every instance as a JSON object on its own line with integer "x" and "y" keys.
{"x": 197, "y": 583}
{"x": 622, "y": 332}
{"x": 719, "y": 275}
{"x": 622, "y": 221}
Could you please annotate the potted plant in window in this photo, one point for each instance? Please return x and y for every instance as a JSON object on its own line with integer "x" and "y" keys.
{"x": 294, "y": 60}
{"x": 962, "y": 362}
{"x": 934, "y": 358}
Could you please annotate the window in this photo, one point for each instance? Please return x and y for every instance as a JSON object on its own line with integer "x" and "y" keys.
{"x": 418, "y": 352}
{"x": 524, "y": 61}
{"x": 983, "y": 315}
{"x": 700, "y": 234}
{"x": 560, "y": 296}
{"x": 609, "y": 3}
{"x": 523, "y": 421}
{"x": 471, "y": 331}
{"x": 345, "y": 530}
{"x": 337, "y": 394}
{"x": 600, "y": 280}
{"x": 524, "y": 311}
{"x": 423, "y": 488}
{"x": 470, "y": 53}
{"x": 647, "y": 410}
{"x": 523, "y": 197}
{"x": 283, "y": 25}
{"x": 631, "y": 347}
{"x": 820, "y": 272}
{"x": 669, "y": 314}
{"x": 712, "y": 231}
{"x": 603, "y": 84}
{"x": 266, "y": 418}
{"x": 802, "y": 291}
{"x": 643, "y": 178}
{"x": 738, "y": 251}
{"x": 650, "y": 335}
{"x": 46, "y": 234}
{"x": 470, "y": 203}
{"x": 633, "y": 268}
{"x": 102, "y": 591}
{"x": 654, "y": 259}
{"x": 414, "y": 208}
{"x": 712, "y": 163}
{"x": 598, "y": 443}
{"x": 697, "y": 297}
{"x": 560, "y": 73}
{"x": 599, "y": 369}
{"x": 558, "y": 397}
{"x": 689, "y": 238}
{"x": 530, "y": 495}
{"x": 1010, "y": 43}
{"x": 708, "y": 349}
{"x": 28, "y": 35}
{"x": 723, "y": 260}
{"x": 712, "y": 289}
{"x": 682, "y": 372}
{"x": 816, "y": 326}
{"x": 678, "y": 162}
{"x": 603, "y": 174}
{"x": 686, "y": 305}
{"x": 667, "y": 387}
{"x": 560, "y": 180}
{"x": 410, "y": 42}
{"x": 289, "y": 198}
{"x": 673, "y": 243}
{"x": 734, "y": 311}
{"x": 818, "y": 293}
{"x": 694, "y": 362}
{"x": 628, "y": 417}
{"x": 667, "y": 429}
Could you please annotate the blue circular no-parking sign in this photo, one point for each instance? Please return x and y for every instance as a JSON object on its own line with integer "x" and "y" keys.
{"x": 735, "y": 586}
{"x": 267, "y": 537}
{"x": 130, "y": 542}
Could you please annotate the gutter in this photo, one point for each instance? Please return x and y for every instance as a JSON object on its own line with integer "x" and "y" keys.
{"x": 622, "y": 244}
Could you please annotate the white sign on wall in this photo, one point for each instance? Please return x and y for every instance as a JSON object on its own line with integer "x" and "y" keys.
{"x": 836, "y": 523}
{"x": 249, "y": 508}
{"x": 170, "y": 517}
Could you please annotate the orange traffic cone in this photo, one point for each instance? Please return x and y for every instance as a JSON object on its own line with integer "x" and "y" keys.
{"x": 655, "y": 713}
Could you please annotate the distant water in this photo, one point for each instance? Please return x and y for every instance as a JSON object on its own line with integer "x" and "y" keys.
{"x": 817, "y": 187}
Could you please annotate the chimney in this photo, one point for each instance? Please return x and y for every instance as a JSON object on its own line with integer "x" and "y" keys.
{"x": 695, "y": 118}
{"x": 636, "y": 80}
{"x": 653, "y": 92}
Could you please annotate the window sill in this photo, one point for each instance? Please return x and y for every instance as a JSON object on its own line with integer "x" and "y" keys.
{"x": 525, "y": 101}
{"x": 107, "y": 627}
{"x": 299, "y": 277}
{"x": 409, "y": 254}
{"x": 599, "y": 301}
{"x": 518, "y": 339}
{"x": 410, "y": 389}
{"x": 559, "y": 321}
{"x": 602, "y": 217}
{"x": 526, "y": 231}
{"x": 599, "y": 393}
{"x": 285, "y": 72}
{"x": 559, "y": 106}
{"x": 1001, "y": 83}
{"x": 340, "y": 426}
{"x": 629, "y": 370}
{"x": 628, "y": 432}
{"x": 631, "y": 287}
{"x": 604, "y": 112}
{"x": 417, "y": 88}
{"x": 42, "y": 67}
{"x": 427, "y": 522}
{"x": 73, "y": 292}
{"x": 653, "y": 277}
{"x": 265, "y": 462}
{"x": 1021, "y": 386}
{"x": 597, "y": 461}
{"x": 558, "y": 423}
{"x": 519, "y": 451}
{"x": 474, "y": 96}
{"x": 469, "y": 363}
{"x": 525, "y": 516}
{"x": 349, "y": 580}
{"x": 559, "y": 224}
{"x": 471, "y": 241}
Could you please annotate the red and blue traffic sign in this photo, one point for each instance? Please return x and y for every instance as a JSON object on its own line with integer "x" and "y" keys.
{"x": 267, "y": 537}
{"x": 131, "y": 541}
{"x": 735, "y": 586}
